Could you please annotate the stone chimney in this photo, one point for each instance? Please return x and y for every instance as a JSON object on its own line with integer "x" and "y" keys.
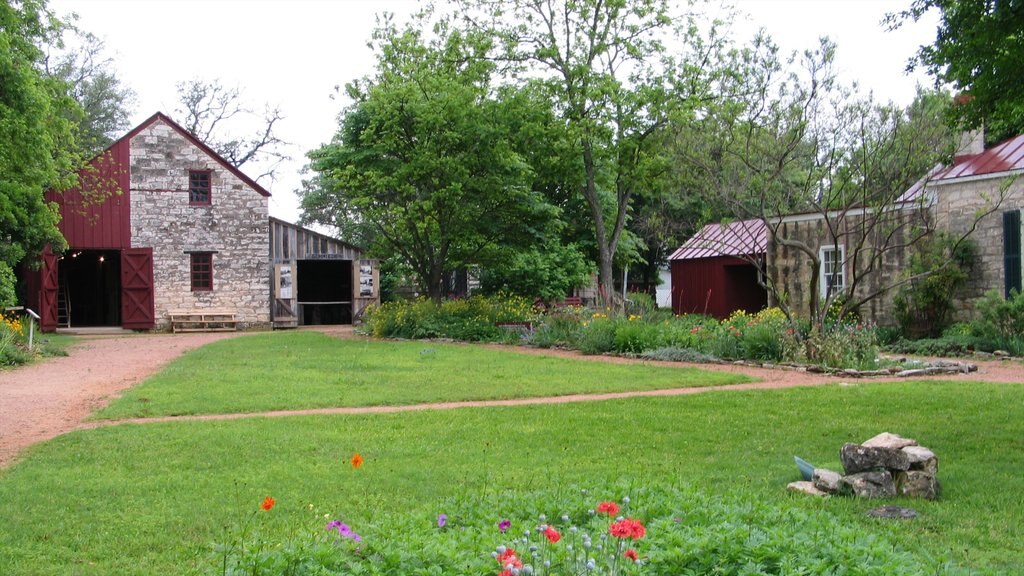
{"x": 971, "y": 143}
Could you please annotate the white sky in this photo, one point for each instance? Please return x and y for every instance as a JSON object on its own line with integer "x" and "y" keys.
{"x": 292, "y": 53}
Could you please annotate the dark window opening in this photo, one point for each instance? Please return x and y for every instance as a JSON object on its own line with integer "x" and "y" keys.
{"x": 199, "y": 187}
{"x": 202, "y": 271}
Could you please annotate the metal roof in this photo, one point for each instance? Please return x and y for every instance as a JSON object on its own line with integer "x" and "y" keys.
{"x": 1004, "y": 157}
{"x": 740, "y": 238}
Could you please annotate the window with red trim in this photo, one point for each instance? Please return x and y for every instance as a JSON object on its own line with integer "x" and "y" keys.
{"x": 199, "y": 187}
{"x": 202, "y": 271}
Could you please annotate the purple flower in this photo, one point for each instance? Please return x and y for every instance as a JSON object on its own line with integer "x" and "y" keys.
{"x": 442, "y": 519}
{"x": 504, "y": 525}
{"x": 344, "y": 530}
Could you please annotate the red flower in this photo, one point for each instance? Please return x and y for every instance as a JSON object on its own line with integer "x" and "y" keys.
{"x": 631, "y": 554}
{"x": 628, "y": 528}
{"x": 268, "y": 503}
{"x": 609, "y": 508}
{"x": 507, "y": 560}
{"x": 552, "y": 535}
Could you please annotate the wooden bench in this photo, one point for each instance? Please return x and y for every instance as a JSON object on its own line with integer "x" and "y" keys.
{"x": 203, "y": 321}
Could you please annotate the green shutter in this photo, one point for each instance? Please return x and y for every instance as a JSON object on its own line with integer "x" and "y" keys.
{"x": 1012, "y": 251}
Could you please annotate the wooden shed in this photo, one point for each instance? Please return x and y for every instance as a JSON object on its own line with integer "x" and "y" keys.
{"x": 317, "y": 279}
{"x": 713, "y": 273}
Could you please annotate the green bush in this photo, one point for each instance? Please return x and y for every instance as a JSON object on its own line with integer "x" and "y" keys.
{"x": 598, "y": 337}
{"x": 472, "y": 319}
{"x": 633, "y": 336}
{"x": 677, "y": 354}
{"x": 924, "y": 306}
{"x": 1000, "y": 323}
{"x": 561, "y": 328}
{"x": 13, "y": 345}
{"x": 946, "y": 346}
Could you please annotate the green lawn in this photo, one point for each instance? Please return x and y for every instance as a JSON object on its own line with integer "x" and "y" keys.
{"x": 294, "y": 370}
{"x": 150, "y": 499}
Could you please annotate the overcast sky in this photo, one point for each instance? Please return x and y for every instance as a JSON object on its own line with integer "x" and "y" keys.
{"x": 292, "y": 53}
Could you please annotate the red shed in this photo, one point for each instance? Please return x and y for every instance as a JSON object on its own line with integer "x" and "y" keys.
{"x": 712, "y": 273}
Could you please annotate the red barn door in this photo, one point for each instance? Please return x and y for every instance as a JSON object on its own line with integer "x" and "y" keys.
{"x": 48, "y": 289}
{"x": 137, "y": 289}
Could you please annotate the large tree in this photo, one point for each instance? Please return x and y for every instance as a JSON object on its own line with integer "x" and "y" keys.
{"x": 79, "y": 60}
{"x": 609, "y": 77}
{"x": 789, "y": 138}
{"x": 424, "y": 156}
{"x": 211, "y": 112}
{"x": 979, "y": 49}
{"x": 37, "y": 146}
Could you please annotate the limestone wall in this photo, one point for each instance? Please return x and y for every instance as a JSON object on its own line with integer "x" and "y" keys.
{"x": 957, "y": 207}
{"x": 872, "y": 262}
{"x": 235, "y": 227}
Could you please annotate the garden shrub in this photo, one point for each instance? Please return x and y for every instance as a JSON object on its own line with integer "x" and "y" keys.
{"x": 946, "y": 346}
{"x": 561, "y": 328}
{"x": 924, "y": 306}
{"x": 633, "y": 336}
{"x": 651, "y": 530}
{"x": 598, "y": 336}
{"x": 1000, "y": 323}
{"x": 471, "y": 319}
{"x": 677, "y": 354}
{"x": 13, "y": 351}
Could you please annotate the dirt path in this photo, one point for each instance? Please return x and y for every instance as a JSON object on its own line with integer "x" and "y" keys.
{"x": 46, "y": 399}
{"x": 49, "y": 398}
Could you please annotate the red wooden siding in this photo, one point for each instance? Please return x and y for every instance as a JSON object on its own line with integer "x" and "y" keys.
{"x": 715, "y": 286}
{"x": 97, "y": 215}
{"x": 137, "y": 310}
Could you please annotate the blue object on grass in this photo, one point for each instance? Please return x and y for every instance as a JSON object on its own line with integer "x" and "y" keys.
{"x": 806, "y": 468}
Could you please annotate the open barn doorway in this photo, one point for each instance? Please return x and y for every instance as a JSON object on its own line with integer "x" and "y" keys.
{"x": 89, "y": 292}
{"x": 324, "y": 290}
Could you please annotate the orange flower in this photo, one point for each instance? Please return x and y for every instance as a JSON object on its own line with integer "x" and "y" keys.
{"x": 357, "y": 460}
{"x": 268, "y": 503}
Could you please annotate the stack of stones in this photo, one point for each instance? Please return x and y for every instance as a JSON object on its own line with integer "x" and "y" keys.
{"x": 883, "y": 467}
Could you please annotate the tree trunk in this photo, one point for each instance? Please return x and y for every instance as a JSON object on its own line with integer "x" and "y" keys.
{"x": 605, "y": 254}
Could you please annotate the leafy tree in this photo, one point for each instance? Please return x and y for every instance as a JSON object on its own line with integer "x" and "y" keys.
{"x": 606, "y": 70}
{"x": 207, "y": 108}
{"x": 548, "y": 272}
{"x": 36, "y": 137}
{"x": 81, "y": 63}
{"x": 979, "y": 49}
{"x": 424, "y": 157}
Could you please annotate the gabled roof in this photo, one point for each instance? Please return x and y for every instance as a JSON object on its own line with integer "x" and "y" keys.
{"x": 159, "y": 116}
{"x": 740, "y": 238}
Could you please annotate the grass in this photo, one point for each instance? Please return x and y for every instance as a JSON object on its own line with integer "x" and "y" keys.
{"x": 295, "y": 370}
{"x": 146, "y": 499}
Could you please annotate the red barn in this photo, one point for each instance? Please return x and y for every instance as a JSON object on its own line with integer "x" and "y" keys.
{"x": 713, "y": 273}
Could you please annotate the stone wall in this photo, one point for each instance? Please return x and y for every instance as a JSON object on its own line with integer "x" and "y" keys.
{"x": 872, "y": 260}
{"x": 956, "y": 209}
{"x": 235, "y": 227}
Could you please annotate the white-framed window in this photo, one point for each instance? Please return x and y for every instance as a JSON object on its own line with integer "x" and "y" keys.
{"x": 833, "y": 271}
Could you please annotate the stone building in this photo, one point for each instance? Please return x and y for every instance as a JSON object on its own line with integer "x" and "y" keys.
{"x": 980, "y": 194}
{"x": 162, "y": 224}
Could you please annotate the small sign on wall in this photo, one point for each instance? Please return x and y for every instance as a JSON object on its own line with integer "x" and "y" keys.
{"x": 283, "y": 284}
{"x": 367, "y": 287}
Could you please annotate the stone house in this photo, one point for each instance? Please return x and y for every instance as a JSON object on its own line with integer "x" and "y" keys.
{"x": 161, "y": 224}
{"x": 864, "y": 250}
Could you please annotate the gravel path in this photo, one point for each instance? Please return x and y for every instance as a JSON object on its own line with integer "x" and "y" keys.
{"x": 49, "y": 398}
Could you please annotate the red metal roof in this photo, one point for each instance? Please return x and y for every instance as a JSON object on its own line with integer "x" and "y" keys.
{"x": 740, "y": 238}
{"x": 1004, "y": 157}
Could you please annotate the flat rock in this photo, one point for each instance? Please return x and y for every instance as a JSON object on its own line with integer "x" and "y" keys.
{"x": 895, "y": 512}
{"x": 826, "y": 480}
{"x": 889, "y": 440}
{"x": 870, "y": 484}
{"x": 805, "y": 487}
{"x": 922, "y": 458}
{"x": 857, "y": 458}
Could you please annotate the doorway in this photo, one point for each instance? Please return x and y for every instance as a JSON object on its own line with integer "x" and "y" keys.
{"x": 89, "y": 292}
{"x": 324, "y": 291}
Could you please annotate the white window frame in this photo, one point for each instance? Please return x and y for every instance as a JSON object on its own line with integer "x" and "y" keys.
{"x": 838, "y": 276}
